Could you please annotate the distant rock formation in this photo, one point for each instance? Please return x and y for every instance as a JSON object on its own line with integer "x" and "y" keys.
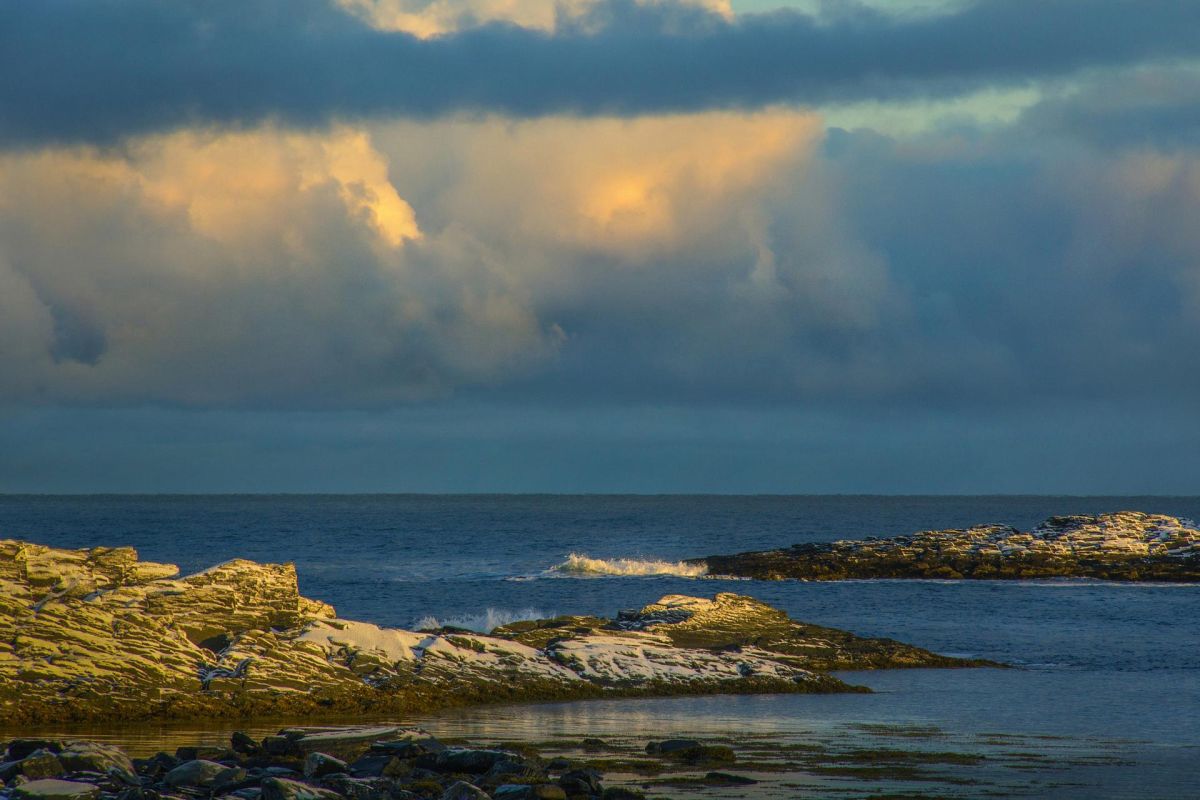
{"x": 1126, "y": 546}
{"x": 97, "y": 634}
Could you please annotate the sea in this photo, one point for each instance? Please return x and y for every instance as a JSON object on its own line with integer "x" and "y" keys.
{"x": 1102, "y": 700}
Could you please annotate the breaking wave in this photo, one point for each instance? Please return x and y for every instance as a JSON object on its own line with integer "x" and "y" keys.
{"x": 581, "y": 565}
{"x": 485, "y": 622}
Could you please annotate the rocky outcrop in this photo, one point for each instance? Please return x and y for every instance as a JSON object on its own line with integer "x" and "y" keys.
{"x": 1126, "y": 546}
{"x": 728, "y": 623}
{"x": 97, "y": 634}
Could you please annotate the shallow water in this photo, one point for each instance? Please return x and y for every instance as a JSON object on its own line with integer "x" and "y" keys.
{"x": 1114, "y": 670}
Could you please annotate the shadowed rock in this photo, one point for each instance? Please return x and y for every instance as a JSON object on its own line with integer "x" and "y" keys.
{"x": 461, "y": 773}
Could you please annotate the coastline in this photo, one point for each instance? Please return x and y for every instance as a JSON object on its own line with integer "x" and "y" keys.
{"x": 944, "y": 614}
{"x": 857, "y": 760}
{"x": 97, "y": 634}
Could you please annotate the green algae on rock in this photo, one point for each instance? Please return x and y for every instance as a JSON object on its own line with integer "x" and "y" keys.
{"x": 1125, "y": 546}
{"x": 98, "y": 635}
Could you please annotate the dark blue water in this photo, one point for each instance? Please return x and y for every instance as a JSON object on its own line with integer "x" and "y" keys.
{"x": 1114, "y": 665}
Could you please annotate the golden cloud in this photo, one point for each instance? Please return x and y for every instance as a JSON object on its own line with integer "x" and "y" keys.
{"x": 215, "y": 266}
{"x": 629, "y": 188}
{"x": 428, "y": 18}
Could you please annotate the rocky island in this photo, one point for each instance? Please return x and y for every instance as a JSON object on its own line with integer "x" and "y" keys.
{"x": 1125, "y": 546}
{"x": 97, "y": 634}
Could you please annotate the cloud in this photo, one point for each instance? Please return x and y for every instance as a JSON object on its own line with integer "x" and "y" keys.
{"x": 273, "y": 268}
{"x": 628, "y": 189}
{"x": 261, "y": 266}
{"x": 428, "y": 18}
{"x": 747, "y": 259}
{"x": 1038, "y": 270}
{"x": 81, "y": 71}
{"x": 736, "y": 257}
{"x": 1153, "y": 107}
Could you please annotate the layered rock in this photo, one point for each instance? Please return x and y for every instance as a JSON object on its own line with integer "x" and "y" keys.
{"x": 728, "y": 623}
{"x": 1126, "y": 546}
{"x": 96, "y": 634}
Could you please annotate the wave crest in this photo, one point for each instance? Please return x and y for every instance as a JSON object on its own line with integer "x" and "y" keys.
{"x": 581, "y": 565}
{"x": 484, "y": 622}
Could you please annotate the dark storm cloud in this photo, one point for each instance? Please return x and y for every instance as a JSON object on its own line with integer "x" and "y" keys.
{"x": 95, "y": 71}
{"x": 1149, "y": 107}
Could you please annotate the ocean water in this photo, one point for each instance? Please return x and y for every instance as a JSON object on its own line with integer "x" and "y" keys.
{"x": 1106, "y": 702}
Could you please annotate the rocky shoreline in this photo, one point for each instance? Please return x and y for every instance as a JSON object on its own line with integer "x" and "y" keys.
{"x": 1125, "y": 546}
{"x": 390, "y": 761}
{"x": 97, "y": 634}
{"x": 381, "y": 763}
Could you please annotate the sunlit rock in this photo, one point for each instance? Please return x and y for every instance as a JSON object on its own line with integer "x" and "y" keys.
{"x": 1126, "y": 546}
{"x": 96, "y": 634}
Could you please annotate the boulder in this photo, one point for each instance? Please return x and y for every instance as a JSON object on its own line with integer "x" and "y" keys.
{"x": 671, "y": 746}
{"x": 408, "y": 748}
{"x": 462, "y": 790}
{"x": 359, "y": 788}
{"x": 621, "y": 793}
{"x": 318, "y": 765}
{"x": 280, "y": 746}
{"x": 97, "y": 757}
{"x": 372, "y": 765}
{"x": 581, "y": 781}
{"x": 205, "y": 753}
{"x": 473, "y": 762}
{"x": 529, "y": 791}
{"x": 20, "y": 748}
{"x": 242, "y": 743}
{"x": 41, "y": 764}
{"x": 198, "y": 773}
{"x": 284, "y": 789}
{"x": 54, "y": 789}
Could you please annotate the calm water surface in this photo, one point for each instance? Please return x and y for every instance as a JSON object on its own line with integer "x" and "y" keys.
{"x": 1109, "y": 689}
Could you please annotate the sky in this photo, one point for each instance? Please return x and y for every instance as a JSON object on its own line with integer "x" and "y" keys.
{"x": 930, "y": 246}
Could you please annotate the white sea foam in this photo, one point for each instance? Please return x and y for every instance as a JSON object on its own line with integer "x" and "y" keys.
{"x": 581, "y": 565}
{"x": 485, "y": 622}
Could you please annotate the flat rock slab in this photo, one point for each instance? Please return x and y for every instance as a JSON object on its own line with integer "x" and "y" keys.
{"x": 54, "y": 789}
{"x": 320, "y": 741}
